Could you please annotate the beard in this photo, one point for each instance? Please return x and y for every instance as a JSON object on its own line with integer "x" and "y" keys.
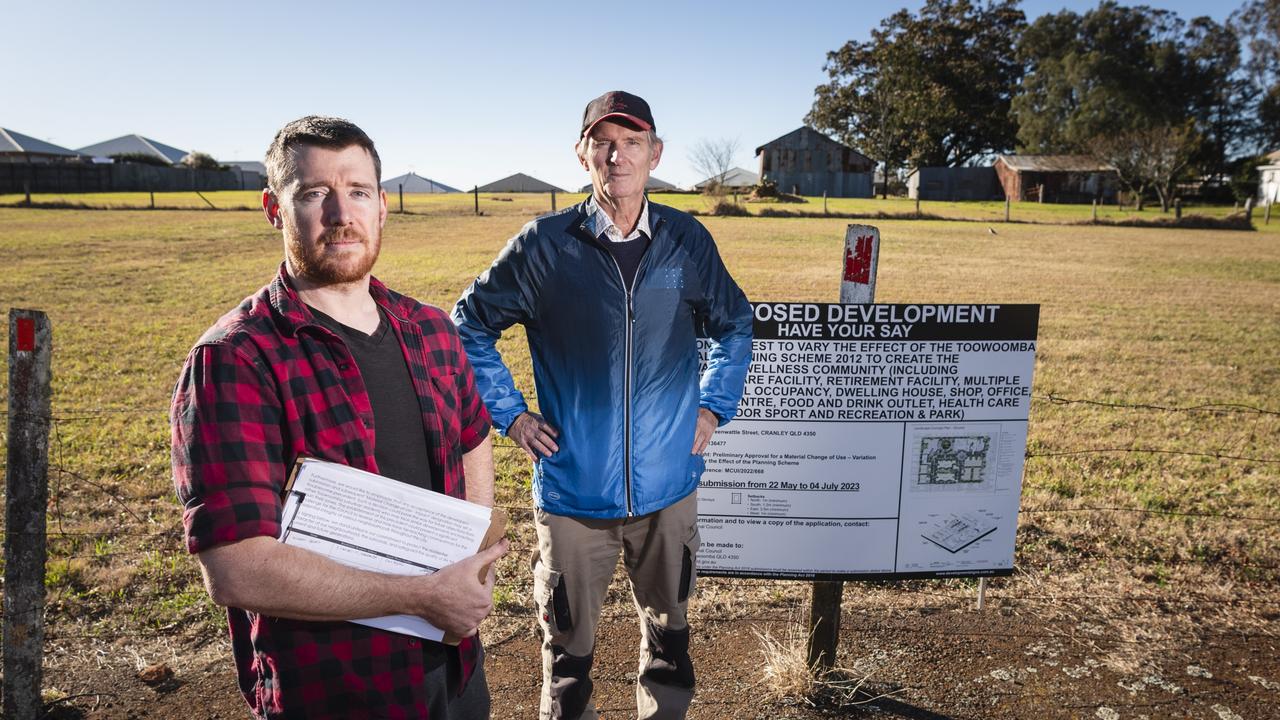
{"x": 316, "y": 263}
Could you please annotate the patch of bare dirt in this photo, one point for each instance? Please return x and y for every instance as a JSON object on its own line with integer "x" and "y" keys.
{"x": 931, "y": 655}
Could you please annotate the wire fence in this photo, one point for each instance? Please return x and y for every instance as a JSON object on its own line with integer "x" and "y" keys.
{"x": 68, "y": 542}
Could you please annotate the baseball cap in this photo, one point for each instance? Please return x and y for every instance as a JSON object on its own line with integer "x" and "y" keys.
{"x": 617, "y": 104}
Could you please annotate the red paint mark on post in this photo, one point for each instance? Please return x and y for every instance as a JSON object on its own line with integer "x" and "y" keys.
{"x": 26, "y": 335}
{"x": 857, "y": 261}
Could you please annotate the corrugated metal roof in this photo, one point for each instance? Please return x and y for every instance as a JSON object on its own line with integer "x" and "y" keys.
{"x": 135, "y": 144}
{"x": 519, "y": 183}
{"x": 248, "y": 166}
{"x": 16, "y": 142}
{"x": 1054, "y": 163}
{"x": 795, "y": 138}
{"x": 736, "y": 177}
{"x": 652, "y": 183}
{"x": 415, "y": 183}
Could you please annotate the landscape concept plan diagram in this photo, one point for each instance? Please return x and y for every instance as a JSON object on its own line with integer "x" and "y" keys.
{"x": 948, "y": 461}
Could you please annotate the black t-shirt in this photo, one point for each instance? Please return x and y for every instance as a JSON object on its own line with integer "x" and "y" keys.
{"x": 628, "y": 254}
{"x": 400, "y": 442}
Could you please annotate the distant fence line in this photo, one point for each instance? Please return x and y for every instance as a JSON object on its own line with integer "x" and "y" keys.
{"x": 17, "y": 178}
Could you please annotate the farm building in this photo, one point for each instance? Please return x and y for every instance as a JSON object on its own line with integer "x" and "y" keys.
{"x": 134, "y": 145}
{"x": 806, "y": 162}
{"x": 415, "y": 183}
{"x": 18, "y": 148}
{"x": 1269, "y": 180}
{"x": 519, "y": 183}
{"x": 252, "y": 173}
{"x": 1056, "y": 178}
{"x": 734, "y": 179}
{"x": 954, "y": 183}
{"x": 653, "y": 184}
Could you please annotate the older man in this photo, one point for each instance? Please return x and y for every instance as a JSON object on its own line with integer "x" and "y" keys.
{"x": 326, "y": 362}
{"x": 613, "y": 294}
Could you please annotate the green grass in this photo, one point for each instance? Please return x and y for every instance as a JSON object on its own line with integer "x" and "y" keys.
{"x": 1176, "y": 318}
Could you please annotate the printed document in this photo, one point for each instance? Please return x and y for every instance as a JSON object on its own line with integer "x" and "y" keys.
{"x": 374, "y": 523}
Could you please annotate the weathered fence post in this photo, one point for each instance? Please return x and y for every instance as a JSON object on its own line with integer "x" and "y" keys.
{"x": 476, "y": 191}
{"x": 1266, "y": 214}
{"x": 1095, "y": 211}
{"x": 153, "y": 199}
{"x": 917, "y": 207}
{"x": 1006, "y": 208}
{"x": 401, "y": 198}
{"x": 858, "y": 285}
{"x": 27, "y": 496}
{"x": 553, "y": 200}
{"x": 1248, "y": 211}
{"x": 824, "y": 202}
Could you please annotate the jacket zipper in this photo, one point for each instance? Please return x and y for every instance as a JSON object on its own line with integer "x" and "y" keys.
{"x": 627, "y": 361}
{"x": 626, "y": 386}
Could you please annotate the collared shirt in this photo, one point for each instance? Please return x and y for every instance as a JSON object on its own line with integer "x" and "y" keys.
{"x": 265, "y": 385}
{"x": 602, "y": 226}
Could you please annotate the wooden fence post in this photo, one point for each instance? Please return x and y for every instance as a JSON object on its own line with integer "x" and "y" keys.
{"x": 476, "y": 191}
{"x": 553, "y": 200}
{"x": 1095, "y": 211}
{"x": 27, "y": 498}
{"x": 401, "y": 198}
{"x": 858, "y": 285}
{"x": 1006, "y": 208}
{"x": 1248, "y": 211}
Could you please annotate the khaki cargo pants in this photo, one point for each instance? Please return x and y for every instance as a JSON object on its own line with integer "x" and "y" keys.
{"x": 572, "y": 568}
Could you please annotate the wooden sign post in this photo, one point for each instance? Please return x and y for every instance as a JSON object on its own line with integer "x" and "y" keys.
{"x": 27, "y": 486}
{"x": 857, "y": 285}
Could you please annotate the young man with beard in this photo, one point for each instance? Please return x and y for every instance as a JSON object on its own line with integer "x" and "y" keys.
{"x": 326, "y": 362}
{"x": 613, "y": 294}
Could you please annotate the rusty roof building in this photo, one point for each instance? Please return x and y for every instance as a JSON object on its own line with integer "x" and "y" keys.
{"x": 1056, "y": 178}
{"x": 807, "y": 162}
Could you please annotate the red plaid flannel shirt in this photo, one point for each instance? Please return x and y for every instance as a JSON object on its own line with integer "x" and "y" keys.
{"x": 264, "y": 385}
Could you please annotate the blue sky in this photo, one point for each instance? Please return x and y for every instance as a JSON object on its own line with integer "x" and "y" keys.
{"x": 461, "y": 92}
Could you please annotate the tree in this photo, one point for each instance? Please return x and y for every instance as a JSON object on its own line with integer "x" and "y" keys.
{"x": 929, "y": 89}
{"x": 1258, "y": 23}
{"x": 713, "y": 159}
{"x": 1139, "y": 88}
{"x": 200, "y": 161}
{"x": 1112, "y": 69}
{"x": 1149, "y": 158}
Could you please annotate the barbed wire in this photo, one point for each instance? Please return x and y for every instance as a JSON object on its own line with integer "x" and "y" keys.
{"x": 1152, "y": 511}
{"x": 1214, "y": 408}
{"x": 1151, "y": 451}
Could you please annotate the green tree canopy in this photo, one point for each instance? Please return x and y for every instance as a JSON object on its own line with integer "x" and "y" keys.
{"x": 930, "y": 89}
{"x": 1258, "y": 22}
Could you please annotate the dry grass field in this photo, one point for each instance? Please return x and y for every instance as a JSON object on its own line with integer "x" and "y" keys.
{"x": 1148, "y": 566}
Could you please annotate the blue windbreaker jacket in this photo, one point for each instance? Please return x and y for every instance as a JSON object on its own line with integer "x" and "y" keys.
{"x": 616, "y": 372}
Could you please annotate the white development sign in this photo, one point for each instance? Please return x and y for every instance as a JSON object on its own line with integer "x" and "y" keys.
{"x": 873, "y": 441}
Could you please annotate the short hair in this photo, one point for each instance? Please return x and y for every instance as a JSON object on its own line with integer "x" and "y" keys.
{"x": 318, "y": 131}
